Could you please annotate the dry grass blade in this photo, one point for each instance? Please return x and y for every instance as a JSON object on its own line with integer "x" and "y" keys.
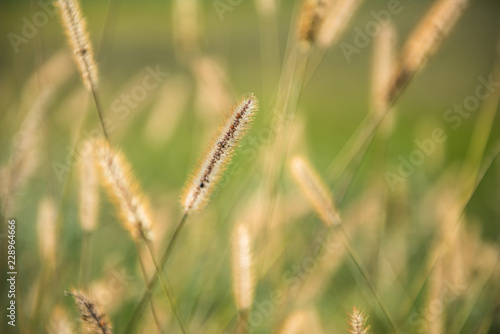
{"x": 315, "y": 191}
{"x": 219, "y": 154}
{"x": 95, "y": 320}
{"x": 132, "y": 204}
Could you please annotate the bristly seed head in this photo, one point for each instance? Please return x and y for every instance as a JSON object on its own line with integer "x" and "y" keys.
{"x": 128, "y": 198}
{"x": 425, "y": 40}
{"x": 78, "y": 39}
{"x": 358, "y": 322}
{"x": 204, "y": 180}
{"x": 96, "y": 320}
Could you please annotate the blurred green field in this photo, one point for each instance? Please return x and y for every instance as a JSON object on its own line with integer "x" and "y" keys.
{"x": 332, "y": 104}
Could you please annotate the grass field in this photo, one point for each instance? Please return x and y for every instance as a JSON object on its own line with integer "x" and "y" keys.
{"x": 418, "y": 247}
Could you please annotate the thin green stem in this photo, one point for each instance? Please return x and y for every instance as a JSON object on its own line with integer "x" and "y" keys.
{"x": 99, "y": 110}
{"x": 168, "y": 295}
{"x": 357, "y": 262}
{"x": 145, "y": 277}
{"x": 145, "y": 297}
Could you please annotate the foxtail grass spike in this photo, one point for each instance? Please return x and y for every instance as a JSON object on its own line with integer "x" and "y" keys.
{"x": 132, "y": 204}
{"x": 89, "y": 188}
{"x": 46, "y": 229}
{"x": 95, "y": 320}
{"x": 75, "y": 29}
{"x": 315, "y": 191}
{"x": 426, "y": 39}
{"x": 310, "y": 20}
{"x": 24, "y": 159}
{"x": 383, "y": 68}
{"x": 336, "y": 21}
{"x": 358, "y": 322}
{"x": 243, "y": 281}
{"x": 219, "y": 154}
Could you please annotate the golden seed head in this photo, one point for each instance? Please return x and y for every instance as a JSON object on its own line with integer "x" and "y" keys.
{"x": 75, "y": 29}
{"x": 315, "y": 190}
{"x": 243, "y": 282}
{"x": 219, "y": 154}
{"x": 383, "y": 67}
{"x": 310, "y": 20}
{"x": 430, "y": 32}
{"x": 132, "y": 204}
{"x": 89, "y": 188}
{"x": 336, "y": 21}
{"x": 46, "y": 228}
{"x": 358, "y": 322}
{"x": 425, "y": 40}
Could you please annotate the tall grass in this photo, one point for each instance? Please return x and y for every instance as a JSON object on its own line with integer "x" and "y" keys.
{"x": 262, "y": 241}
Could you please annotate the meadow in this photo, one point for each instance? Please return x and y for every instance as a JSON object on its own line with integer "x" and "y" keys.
{"x": 237, "y": 166}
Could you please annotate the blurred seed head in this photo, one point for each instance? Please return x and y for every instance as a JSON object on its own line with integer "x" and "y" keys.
{"x": 243, "y": 279}
{"x": 125, "y": 192}
{"x": 90, "y": 313}
{"x": 46, "y": 230}
{"x": 336, "y": 21}
{"x": 315, "y": 190}
{"x": 89, "y": 188}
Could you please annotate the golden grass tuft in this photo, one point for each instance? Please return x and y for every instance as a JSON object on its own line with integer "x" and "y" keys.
{"x": 219, "y": 154}
{"x": 315, "y": 190}
{"x": 243, "y": 280}
{"x": 75, "y": 29}
{"x": 132, "y": 204}
{"x": 95, "y": 320}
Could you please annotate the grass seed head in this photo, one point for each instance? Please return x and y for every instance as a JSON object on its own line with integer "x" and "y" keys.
{"x": 243, "y": 281}
{"x": 75, "y": 29}
{"x": 219, "y": 154}
{"x": 132, "y": 204}
{"x": 315, "y": 190}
